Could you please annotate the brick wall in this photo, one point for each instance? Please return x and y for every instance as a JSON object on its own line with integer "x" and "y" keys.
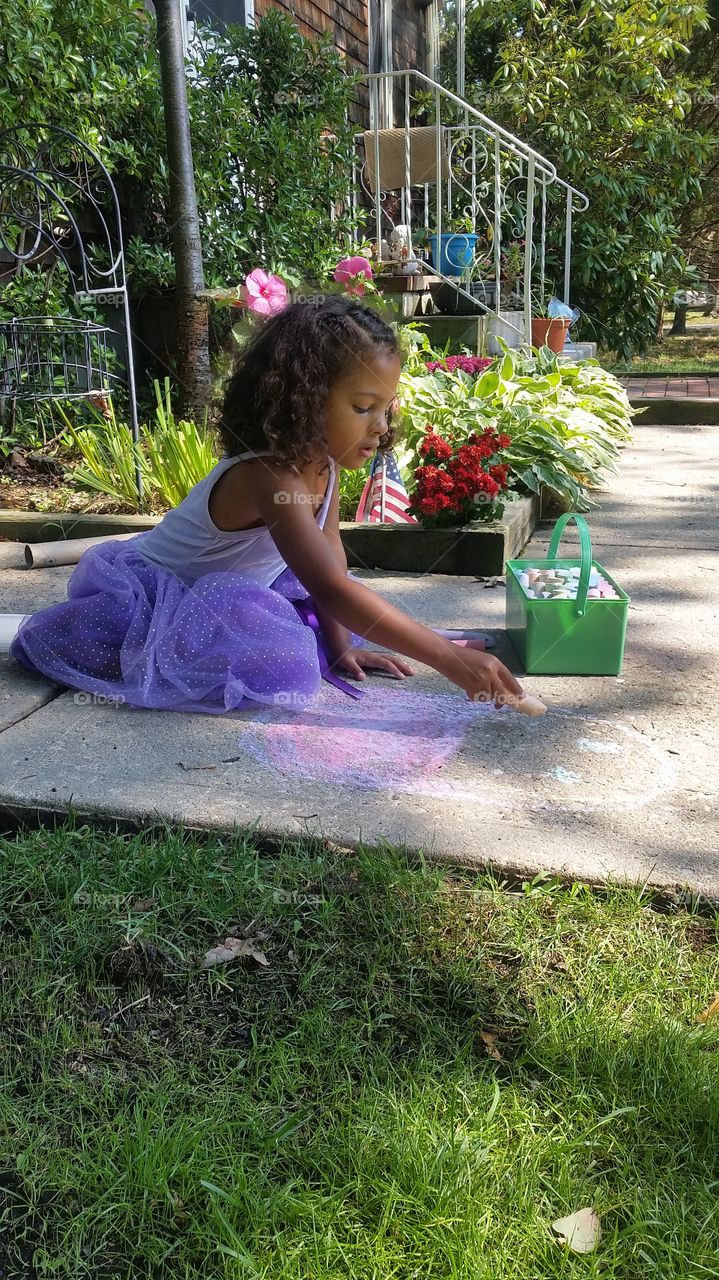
{"x": 346, "y": 20}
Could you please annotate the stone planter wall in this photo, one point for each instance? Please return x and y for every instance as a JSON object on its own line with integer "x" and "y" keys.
{"x": 478, "y": 549}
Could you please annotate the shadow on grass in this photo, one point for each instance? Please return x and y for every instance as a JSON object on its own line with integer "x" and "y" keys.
{"x": 428, "y": 1070}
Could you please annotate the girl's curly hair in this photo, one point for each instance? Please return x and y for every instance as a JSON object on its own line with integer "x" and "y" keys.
{"x": 277, "y": 395}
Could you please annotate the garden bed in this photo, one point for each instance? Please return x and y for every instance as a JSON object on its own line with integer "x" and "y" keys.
{"x": 477, "y": 549}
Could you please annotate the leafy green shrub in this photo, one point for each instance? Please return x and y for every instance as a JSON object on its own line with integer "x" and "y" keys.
{"x": 605, "y": 90}
{"x": 173, "y": 456}
{"x": 566, "y": 422}
{"x": 351, "y": 484}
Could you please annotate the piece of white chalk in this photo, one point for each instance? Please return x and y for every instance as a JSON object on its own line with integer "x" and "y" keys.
{"x": 530, "y": 706}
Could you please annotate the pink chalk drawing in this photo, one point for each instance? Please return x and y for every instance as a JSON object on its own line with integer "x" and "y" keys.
{"x": 444, "y": 747}
{"x": 387, "y": 741}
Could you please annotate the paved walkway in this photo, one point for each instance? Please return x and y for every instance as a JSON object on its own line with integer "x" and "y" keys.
{"x": 652, "y": 387}
{"x": 618, "y": 780}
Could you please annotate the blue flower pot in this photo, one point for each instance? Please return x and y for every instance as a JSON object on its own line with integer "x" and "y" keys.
{"x": 456, "y": 251}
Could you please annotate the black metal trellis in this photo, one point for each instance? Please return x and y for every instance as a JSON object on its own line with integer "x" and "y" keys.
{"x": 58, "y": 201}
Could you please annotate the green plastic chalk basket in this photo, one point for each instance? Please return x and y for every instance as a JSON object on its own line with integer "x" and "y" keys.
{"x": 579, "y": 637}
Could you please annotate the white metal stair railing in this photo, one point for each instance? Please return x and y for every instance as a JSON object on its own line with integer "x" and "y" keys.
{"x": 481, "y": 172}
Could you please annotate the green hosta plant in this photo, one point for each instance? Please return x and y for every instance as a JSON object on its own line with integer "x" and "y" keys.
{"x": 566, "y": 422}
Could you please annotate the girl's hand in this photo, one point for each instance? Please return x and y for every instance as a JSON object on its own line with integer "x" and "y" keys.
{"x": 484, "y": 678}
{"x": 352, "y": 661}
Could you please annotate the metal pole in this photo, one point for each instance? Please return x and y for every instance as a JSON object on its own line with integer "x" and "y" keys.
{"x": 568, "y": 245}
{"x": 438, "y": 173}
{"x": 528, "y": 229}
{"x": 497, "y": 227}
{"x": 542, "y": 245}
{"x": 133, "y": 394}
{"x": 375, "y": 126}
{"x": 461, "y": 28}
{"x": 407, "y": 194}
{"x": 192, "y": 324}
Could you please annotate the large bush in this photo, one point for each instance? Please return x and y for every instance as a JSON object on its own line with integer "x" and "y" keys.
{"x": 603, "y": 88}
{"x": 268, "y": 110}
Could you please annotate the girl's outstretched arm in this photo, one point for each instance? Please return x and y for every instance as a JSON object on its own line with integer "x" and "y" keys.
{"x": 282, "y": 500}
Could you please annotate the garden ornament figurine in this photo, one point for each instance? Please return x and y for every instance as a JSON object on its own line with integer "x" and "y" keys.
{"x": 400, "y": 251}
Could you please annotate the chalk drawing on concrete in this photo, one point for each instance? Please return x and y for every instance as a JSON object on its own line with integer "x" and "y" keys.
{"x": 443, "y": 746}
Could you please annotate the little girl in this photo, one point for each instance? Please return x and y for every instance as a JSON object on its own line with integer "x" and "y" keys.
{"x": 241, "y": 594}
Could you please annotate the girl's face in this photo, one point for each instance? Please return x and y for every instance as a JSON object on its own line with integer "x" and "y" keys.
{"x": 357, "y": 405}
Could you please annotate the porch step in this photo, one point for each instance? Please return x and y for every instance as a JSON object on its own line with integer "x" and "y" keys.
{"x": 419, "y": 283}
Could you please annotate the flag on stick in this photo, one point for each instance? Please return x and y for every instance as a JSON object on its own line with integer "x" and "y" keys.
{"x": 384, "y": 498}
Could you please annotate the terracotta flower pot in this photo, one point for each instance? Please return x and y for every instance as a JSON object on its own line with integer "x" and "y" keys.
{"x": 549, "y": 333}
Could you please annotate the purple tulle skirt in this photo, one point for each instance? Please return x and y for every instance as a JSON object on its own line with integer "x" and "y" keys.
{"x": 135, "y": 633}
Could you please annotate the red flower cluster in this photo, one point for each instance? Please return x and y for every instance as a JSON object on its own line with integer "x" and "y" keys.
{"x": 468, "y": 364}
{"x": 434, "y": 444}
{"x": 458, "y": 484}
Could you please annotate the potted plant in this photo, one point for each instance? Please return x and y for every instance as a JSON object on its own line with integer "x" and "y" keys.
{"x": 452, "y": 251}
{"x": 548, "y": 331}
{"x": 511, "y": 267}
{"x": 477, "y": 278}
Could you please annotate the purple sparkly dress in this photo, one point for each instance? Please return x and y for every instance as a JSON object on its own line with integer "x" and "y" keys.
{"x": 186, "y": 617}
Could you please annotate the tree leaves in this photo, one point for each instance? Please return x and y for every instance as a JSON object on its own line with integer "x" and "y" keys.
{"x": 604, "y": 92}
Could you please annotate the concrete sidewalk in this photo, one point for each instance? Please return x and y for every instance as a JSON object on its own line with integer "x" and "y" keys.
{"x": 618, "y": 780}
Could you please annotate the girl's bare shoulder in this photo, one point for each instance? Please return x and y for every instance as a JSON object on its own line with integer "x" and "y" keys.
{"x": 232, "y": 503}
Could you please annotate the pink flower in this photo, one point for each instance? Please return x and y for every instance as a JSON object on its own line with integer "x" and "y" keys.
{"x": 351, "y": 272}
{"x": 265, "y": 294}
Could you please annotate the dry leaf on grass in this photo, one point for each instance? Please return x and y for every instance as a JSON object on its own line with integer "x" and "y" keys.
{"x": 490, "y": 1042}
{"x": 711, "y": 1012}
{"x": 231, "y": 949}
{"x": 580, "y": 1231}
{"x": 143, "y": 904}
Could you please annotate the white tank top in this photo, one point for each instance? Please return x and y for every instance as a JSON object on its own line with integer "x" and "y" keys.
{"x": 189, "y": 544}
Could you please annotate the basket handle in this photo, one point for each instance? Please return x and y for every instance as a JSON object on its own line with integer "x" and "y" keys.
{"x": 586, "y": 555}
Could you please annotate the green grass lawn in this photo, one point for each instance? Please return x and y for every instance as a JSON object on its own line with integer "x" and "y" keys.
{"x": 336, "y": 1112}
{"x": 699, "y": 351}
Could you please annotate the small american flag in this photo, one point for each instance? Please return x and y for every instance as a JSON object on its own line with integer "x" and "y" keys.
{"x": 384, "y": 498}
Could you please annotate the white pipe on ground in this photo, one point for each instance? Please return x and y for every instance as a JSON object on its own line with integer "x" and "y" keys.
{"x": 9, "y": 627}
{"x": 47, "y": 555}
